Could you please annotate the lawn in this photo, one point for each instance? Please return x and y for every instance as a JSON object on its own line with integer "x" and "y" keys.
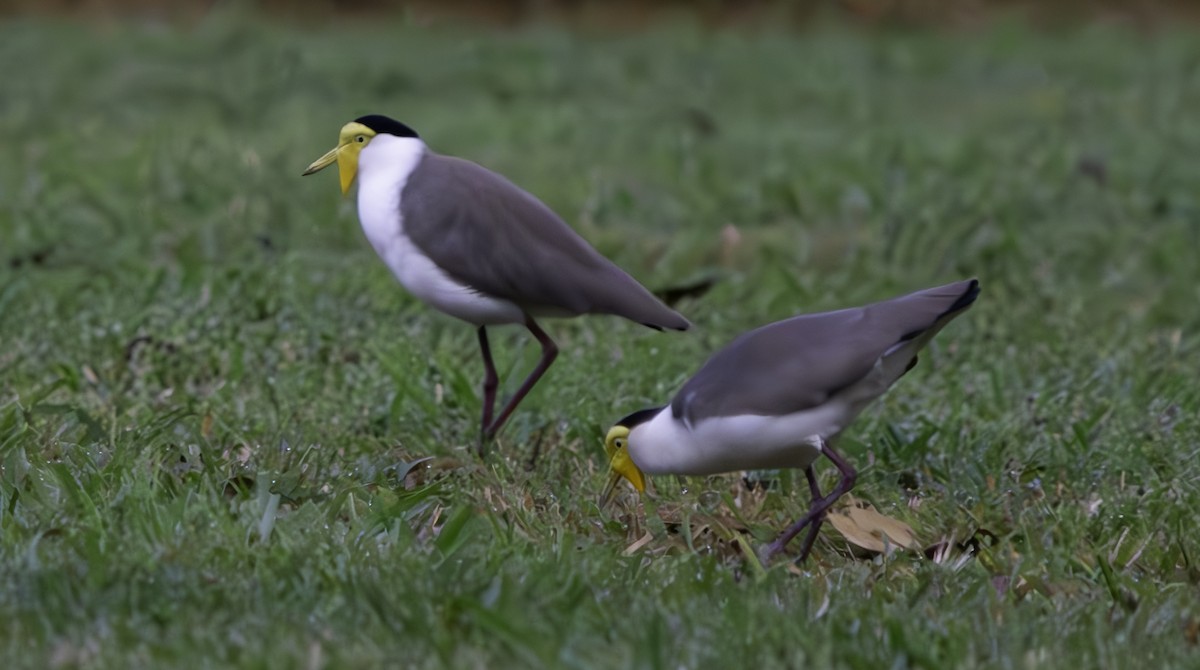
{"x": 228, "y": 437}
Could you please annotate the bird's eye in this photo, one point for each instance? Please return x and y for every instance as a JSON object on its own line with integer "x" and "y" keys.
{"x": 619, "y": 443}
{"x": 361, "y": 139}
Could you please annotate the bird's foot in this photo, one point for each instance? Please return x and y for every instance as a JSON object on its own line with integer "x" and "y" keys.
{"x": 813, "y": 521}
{"x": 485, "y": 439}
{"x": 767, "y": 552}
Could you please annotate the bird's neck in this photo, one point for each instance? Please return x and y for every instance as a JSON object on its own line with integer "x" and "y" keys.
{"x": 390, "y": 160}
{"x": 653, "y": 444}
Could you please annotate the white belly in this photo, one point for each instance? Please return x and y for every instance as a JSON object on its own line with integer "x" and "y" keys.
{"x": 379, "y": 213}
{"x": 754, "y": 442}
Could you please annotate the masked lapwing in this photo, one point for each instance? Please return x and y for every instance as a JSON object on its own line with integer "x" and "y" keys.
{"x": 779, "y": 396}
{"x": 470, "y": 243}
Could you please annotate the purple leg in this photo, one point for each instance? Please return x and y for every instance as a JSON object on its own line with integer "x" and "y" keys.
{"x": 491, "y": 381}
{"x": 816, "y": 524}
{"x": 816, "y": 511}
{"x": 549, "y": 353}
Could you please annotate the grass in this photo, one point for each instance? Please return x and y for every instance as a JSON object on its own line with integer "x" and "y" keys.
{"x": 215, "y": 402}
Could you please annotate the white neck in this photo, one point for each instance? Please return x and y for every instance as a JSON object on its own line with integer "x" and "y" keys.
{"x": 388, "y": 159}
{"x": 653, "y": 444}
{"x": 384, "y": 166}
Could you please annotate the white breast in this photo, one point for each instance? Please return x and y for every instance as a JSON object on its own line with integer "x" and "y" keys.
{"x": 664, "y": 445}
{"x": 383, "y": 168}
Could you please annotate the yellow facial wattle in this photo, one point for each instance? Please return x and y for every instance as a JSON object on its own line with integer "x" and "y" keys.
{"x": 353, "y": 137}
{"x": 616, "y": 444}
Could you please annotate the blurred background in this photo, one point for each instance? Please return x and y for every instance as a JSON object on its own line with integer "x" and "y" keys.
{"x": 633, "y": 12}
{"x": 214, "y": 399}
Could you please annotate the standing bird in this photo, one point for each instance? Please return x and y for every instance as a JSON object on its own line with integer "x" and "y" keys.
{"x": 779, "y": 396}
{"x": 470, "y": 243}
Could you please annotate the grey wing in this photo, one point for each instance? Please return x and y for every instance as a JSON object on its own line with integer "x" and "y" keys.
{"x": 489, "y": 234}
{"x": 796, "y": 364}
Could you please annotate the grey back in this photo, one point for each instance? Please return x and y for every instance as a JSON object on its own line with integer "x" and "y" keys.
{"x": 486, "y": 232}
{"x": 796, "y": 364}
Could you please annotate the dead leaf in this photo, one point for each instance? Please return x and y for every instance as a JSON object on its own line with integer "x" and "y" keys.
{"x": 641, "y": 542}
{"x": 864, "y": 527}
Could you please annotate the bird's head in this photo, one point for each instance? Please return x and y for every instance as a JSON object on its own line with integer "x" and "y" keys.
{"x": 355, "y": 137}
{"x": 616, "y": 444}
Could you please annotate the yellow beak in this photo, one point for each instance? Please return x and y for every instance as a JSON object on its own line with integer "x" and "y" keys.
{"x": 632, "y": 473}
{"x": 347, "y": 165}
{"x": 610, "y": 489}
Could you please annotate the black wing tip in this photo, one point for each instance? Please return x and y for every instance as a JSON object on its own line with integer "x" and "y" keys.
{"x": 681, "y": 324}
{"x": 967, "y": 298}
{"x": 964, "y": 301}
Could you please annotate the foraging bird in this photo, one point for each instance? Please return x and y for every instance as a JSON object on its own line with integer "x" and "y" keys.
{"x": 779, "y": 396}
{"x": 470, "y": 243}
